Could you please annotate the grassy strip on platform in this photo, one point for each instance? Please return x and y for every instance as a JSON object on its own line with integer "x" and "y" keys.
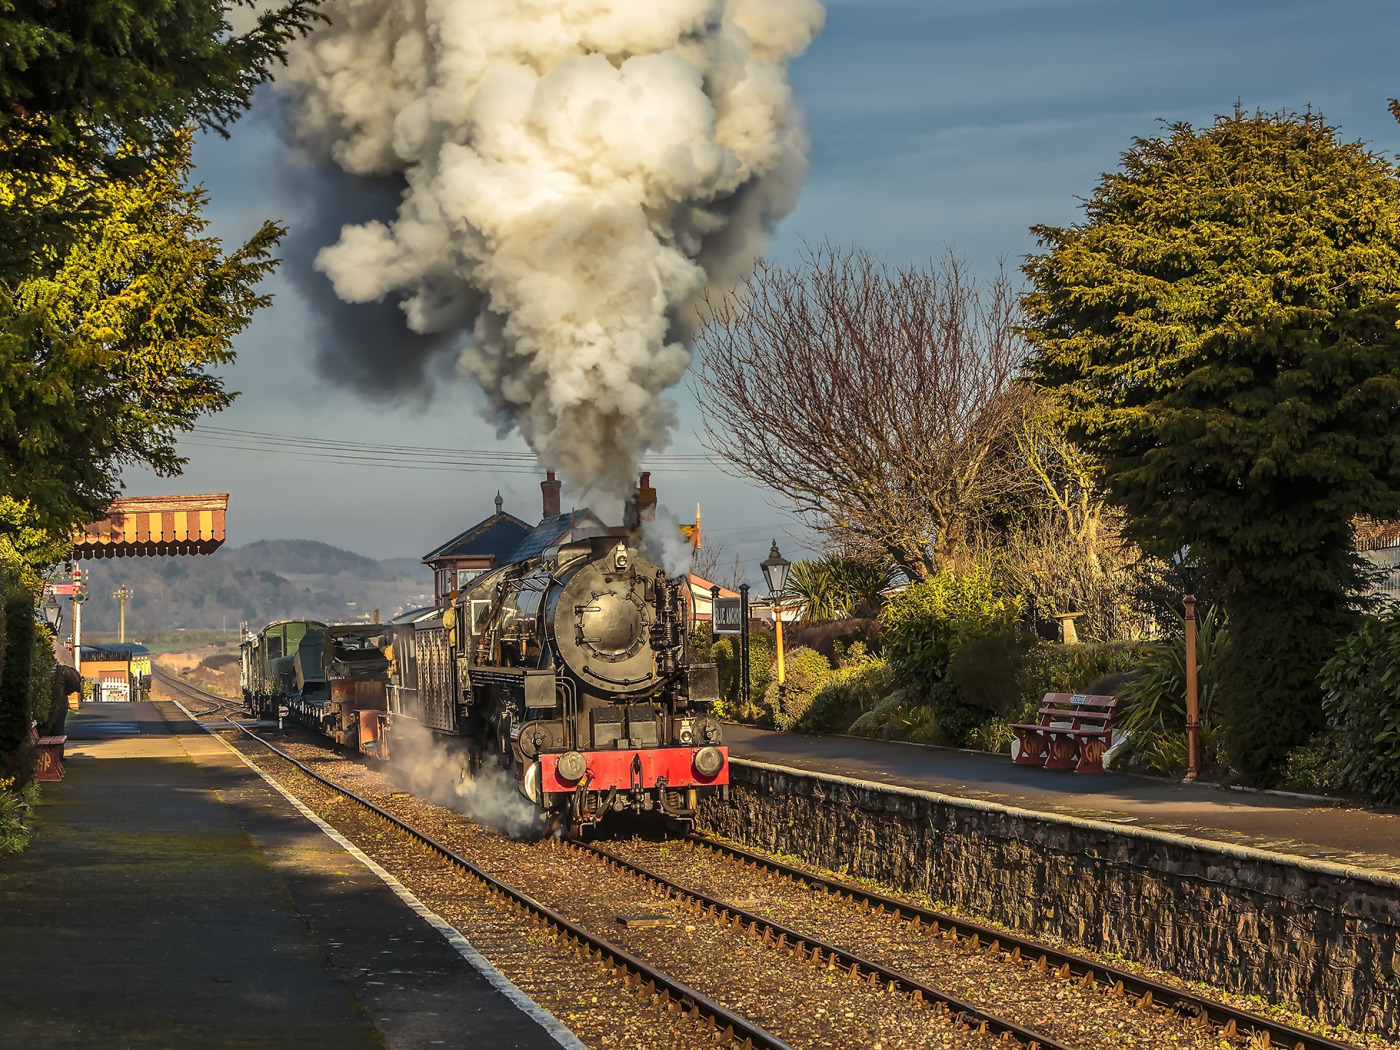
{"x": 16, "y": 815}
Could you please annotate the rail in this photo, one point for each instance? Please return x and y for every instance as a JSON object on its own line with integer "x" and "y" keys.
{"x": 666, "y": 988}
{"x": 820, "y": 953}
{"x": 193, "y": 692}
{"x": 1232, "y": 1021}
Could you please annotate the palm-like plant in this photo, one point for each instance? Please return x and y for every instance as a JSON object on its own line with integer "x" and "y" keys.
{"x": 1154, "y": 699}
{"x": 838, "y": 585}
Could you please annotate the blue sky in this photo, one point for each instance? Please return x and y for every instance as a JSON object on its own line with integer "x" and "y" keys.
{"x": 933, "y": 123}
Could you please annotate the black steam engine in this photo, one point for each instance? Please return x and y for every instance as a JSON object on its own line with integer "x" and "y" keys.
{"x": 573, "y": 670}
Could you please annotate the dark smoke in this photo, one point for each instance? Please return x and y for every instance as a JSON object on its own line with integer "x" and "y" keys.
{"x": 364, "y": 346}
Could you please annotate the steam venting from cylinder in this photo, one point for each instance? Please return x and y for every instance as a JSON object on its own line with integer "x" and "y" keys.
{"x": 575, "y": 173}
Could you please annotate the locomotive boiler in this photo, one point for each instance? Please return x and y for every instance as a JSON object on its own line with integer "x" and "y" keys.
{"x": 573, "y": 670}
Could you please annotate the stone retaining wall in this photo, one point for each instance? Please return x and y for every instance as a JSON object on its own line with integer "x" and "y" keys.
{"x": 1320, "y": 937}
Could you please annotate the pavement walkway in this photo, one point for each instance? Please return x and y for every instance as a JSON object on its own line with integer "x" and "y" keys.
{"x": 170, "y": 897}
{"x": 1336, "y": 832}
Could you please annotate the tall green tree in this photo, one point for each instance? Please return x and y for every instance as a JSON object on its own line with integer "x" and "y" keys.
{"x": 106, "y": 359}
{"x": 1222, "y": 331}
{"x": 103, "y": 88}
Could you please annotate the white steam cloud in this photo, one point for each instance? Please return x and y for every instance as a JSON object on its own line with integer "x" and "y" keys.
{"x": 665, "y": 544}
{"x": 425, "y": 766}
{"x": 577, "y": 172}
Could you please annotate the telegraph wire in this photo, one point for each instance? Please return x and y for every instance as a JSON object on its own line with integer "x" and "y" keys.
{"x": 341, "y": 445}
{"x": 409, "y": 457}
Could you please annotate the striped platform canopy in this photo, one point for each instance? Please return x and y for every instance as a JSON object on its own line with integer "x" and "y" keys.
{"x": 154, "y": 526}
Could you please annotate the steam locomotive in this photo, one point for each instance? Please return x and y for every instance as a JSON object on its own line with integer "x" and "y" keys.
{"x": 572, "y": 670}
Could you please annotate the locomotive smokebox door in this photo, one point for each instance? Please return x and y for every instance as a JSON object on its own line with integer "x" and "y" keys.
{"x": 601, "y": 626}
{"x": 539, "y": 689}
{"x": 702, "y": 683}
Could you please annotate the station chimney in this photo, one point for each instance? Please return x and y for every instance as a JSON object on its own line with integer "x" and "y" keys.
{"x": 646, "y": 498}
{"x": 549, "y": 489}
{"x": 640, "y": 508}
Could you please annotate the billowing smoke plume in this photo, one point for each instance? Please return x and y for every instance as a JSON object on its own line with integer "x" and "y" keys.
{"x": 350, "y": 340}
{"x": 576, "y": 172}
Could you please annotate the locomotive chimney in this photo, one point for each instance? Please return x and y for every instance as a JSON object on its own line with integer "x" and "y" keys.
{"x": 549, "y": 488}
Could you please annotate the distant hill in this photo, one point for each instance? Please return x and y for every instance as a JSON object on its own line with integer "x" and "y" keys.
{"x": 302, "y": 557}
{"x": 262, "y": 581}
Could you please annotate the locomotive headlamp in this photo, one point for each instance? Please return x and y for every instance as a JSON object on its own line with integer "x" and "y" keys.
{"x": 620, "y": 558}
{"x": 708, "y": 761}
{"x": 571, "y": 766}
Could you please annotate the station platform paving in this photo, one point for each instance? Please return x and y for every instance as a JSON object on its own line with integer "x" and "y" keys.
{"x": 1339, "y": 832}
{"x": 170, "y": 897}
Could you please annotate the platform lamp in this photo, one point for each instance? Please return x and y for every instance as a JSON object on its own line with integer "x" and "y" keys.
{"x": 1187, "y": 566}
{"x": 775, "y": 574}
{"x": 53, "y": 613}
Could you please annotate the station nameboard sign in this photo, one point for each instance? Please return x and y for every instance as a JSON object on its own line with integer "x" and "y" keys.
{"x": 728, "y": 616}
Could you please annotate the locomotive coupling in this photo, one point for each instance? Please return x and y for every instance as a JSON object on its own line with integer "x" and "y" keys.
{"x": 708, "y": 761}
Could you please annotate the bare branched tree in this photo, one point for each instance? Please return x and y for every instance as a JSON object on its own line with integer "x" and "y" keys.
{"x": 871, "y": 397}
{"x": 1062, "y": 475}
{"x": 708, "y": 562}
{"x": 704, "y": 561}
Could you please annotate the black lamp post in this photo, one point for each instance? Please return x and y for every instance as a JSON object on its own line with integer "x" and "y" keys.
{"x": 775, "y": 571}
{"x": 53, "y": 613}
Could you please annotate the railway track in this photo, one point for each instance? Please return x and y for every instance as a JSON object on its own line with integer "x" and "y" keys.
{"x": 813, "y": 949}
{"x": 673, "y": 994}
{"x": 194, "y": 692}
{"x": 726, "y": 1023}
{"x": 1231, "y": 1023}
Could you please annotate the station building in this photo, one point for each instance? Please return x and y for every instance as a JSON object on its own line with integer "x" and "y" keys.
{"x": 503, "y": 538}
{"x": 119, "y": 672}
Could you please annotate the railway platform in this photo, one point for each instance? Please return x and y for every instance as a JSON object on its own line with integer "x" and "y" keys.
{"x": 1292, "y": 826}
{"x": 171, "y": 897}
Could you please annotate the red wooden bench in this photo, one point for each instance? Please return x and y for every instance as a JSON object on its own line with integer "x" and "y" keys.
{"x": 1074, "y": 731}
{"x": 50, "y": 759}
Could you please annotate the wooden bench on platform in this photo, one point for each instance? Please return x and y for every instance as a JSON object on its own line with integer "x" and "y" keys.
{"x": 50, "y": 759}
{"x": 1074, "y": 731}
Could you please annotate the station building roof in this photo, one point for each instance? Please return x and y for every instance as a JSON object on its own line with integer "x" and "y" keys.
{"x": 154, "y": 526}
{"x": 494, "y": 537}
{"x": 555, "y": 531}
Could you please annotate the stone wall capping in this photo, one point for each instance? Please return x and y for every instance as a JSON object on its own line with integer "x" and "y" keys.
{"x": 1313, "y": 934}
{"x": 1385, "y": 879}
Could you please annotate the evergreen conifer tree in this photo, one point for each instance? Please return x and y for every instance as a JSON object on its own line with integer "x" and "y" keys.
{"x": 1221, "y": 330}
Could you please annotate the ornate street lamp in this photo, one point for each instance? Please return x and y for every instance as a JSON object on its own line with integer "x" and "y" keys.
{"x": 775, "y": 574}
{"x": 775, "y": 571}
{"x": 53, "y": 613}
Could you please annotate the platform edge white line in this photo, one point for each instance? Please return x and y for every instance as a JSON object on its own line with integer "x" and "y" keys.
{"x": 556, "y": 1029}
